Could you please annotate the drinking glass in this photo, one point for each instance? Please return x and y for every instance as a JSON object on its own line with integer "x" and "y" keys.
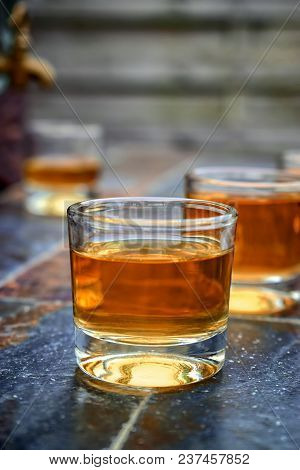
{"x": 64, "y": 166}
{"x": 291, "y": 161}
{"x": 267, "y": 253}
{"x": 151, "y": 280}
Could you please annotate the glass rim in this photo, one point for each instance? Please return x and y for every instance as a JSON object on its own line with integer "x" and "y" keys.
{"x": 291, "y": 156}
{"x": 206, "y": 174}
{"x": 291, "y": 151}
{"x": 65, "y": 129}
{"x": 225, "y": 215}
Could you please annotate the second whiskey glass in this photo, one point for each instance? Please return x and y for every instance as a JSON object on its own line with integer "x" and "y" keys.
{"x": 267, "y": 252}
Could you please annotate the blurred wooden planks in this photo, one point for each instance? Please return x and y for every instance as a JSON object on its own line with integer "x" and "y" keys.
{"x": 175, "y": 67}
{"x": 163, "y": 13}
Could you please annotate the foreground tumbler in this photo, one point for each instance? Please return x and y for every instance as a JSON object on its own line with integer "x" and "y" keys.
{"x": 151, "y": 281}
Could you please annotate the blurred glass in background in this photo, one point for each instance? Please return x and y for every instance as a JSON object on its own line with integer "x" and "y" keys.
{"x": 64, "y": 167}
{"x": 267, "y": 252}
{"x": 291, "y": 161}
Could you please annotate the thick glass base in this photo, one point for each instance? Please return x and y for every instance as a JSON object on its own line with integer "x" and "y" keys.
{"x": 52, "y": 203}
{"x": 259, "y": 300}
{"x": 149, "y": 367}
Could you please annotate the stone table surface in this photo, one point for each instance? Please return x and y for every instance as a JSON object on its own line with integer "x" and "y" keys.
{"x": 47, "y": 403}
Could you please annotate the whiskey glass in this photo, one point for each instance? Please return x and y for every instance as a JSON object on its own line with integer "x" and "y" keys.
{"x": 267, "y": 252}
{"x": 63, "y": 167}
{"x": 151, "y": 281}
{"x": 291, "y": 161}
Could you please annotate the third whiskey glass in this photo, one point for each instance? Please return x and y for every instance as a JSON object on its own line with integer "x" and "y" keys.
{"x": 64, "y": 165}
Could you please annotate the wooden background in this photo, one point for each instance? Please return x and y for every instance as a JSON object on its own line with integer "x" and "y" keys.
{"x": 164, "y": 71}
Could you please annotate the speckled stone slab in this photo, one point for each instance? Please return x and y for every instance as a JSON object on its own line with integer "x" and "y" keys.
{"x": 24, "y": 236}
{"x": 48, "y": 280}
{"x": 44, "y": 403}
{"x": 47, "y": 403}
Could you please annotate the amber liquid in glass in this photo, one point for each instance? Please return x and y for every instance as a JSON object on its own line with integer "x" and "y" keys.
{"x": 157, "y": 292}
{"x": 55, "y": 182}
{"x": 61, "y": 171}
{"x": 267, "y": 247}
